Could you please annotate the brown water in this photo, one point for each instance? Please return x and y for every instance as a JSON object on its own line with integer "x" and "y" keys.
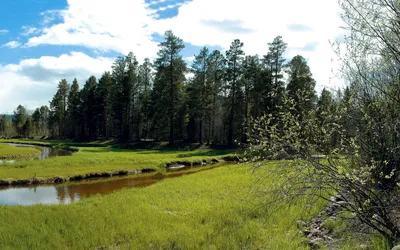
{"x": 75, "y": 191}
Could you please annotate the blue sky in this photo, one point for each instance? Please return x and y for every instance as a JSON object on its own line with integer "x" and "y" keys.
{"x": 43, "y": 41}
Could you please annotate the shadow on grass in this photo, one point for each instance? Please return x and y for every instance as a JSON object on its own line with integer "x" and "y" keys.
{"x": 205, "y": 153}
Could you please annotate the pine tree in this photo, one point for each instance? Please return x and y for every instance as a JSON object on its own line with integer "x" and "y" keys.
{"x": 234, "y": 57}
{"x": 3, "y": 124}
{"x": 58, "y": 107}
{"x": 251, "y": 77}
{"x": 118, "y": 96}
{"x": 170, "y": 75}
{"x": 88, "y": 108}
{"x": 19, "y": 120}
{"x": 27, "y": 128}
{"x": 73, "y": 111}
{"x": 104, "y": 104}
{"x": 273, "y": 75}
{"x": 130, "y": 90}
{"x": 216, "y": 74}
{"x": 40, "y": 120}
{"x": 145, "y": 83}
{"x": 198, "y": 94}
{"x": 301, "y": 86}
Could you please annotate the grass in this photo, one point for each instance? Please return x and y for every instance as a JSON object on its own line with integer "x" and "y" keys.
{"x": 10, "y": 152}
{"x": 100, "y": 159}
{"x": 215, "y": 209}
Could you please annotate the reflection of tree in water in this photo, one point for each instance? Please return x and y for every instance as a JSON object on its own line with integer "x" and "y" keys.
{"x": 61, "y": 190}
{"x": 65, "y": 194}
{"x": 52, "y": 152}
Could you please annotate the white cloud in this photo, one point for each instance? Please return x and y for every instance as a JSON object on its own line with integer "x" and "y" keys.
{"x": 12, "y": 44}
{"x": 29, "y": 30}
{"x": 33, "y": 82}
{"x": 119, "y": 25}
{"x": 3, "y": 31}
{"x": 169, "y": 6}
{"x": 157, "y": 2}
{"x": 189, "y": 59}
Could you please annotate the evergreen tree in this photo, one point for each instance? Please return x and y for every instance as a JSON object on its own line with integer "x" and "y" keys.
{"x": 3, "y": 124}
{"x": 74, "y": 110}
{"x": 124, "y": 94}
{"x": 234, "y": 57}
{"x": 273, "y": 75}
{"x": 36, "y": 120}
{"x": 301, "y": 86}
{"x": 58, "y": 107}
{"x": 324, "y": 106}
{"x": 145, "y": 83}
{"x": 40, "y": 120}
{"x": 88, "y": 108}
{"x": 19, "y": 120}
{"x": 216, "y": 74}
{"x": 118, "y": 96}
{"x": 251, "y": 78}
{"x": 104, "y": 104}
{"x": 130, "y": 90}
{"x": 27, "y": 128}
{"x": 170, "y": 75}
{"x": 198, "y": 95}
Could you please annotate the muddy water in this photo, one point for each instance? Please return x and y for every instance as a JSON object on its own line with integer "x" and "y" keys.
{"x": 75, "y": 191}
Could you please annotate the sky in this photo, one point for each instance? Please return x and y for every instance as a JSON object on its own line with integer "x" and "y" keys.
{"x": 44, "y": 41}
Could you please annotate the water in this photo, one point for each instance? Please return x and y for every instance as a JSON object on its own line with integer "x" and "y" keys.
{"x": 46, "y": 152}
{"x": 74, "y": 191}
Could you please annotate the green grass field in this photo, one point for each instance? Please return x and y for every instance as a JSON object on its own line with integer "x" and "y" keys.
{"x": 101, "y": 159}
{"x": 10, "y": 152}
{"x": 215, "y": 209}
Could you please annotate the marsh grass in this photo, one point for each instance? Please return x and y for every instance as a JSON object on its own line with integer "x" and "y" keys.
{"x": 11, "y": 152}
{"x": 215, "y": 209}
{"x": 100, "y": 159}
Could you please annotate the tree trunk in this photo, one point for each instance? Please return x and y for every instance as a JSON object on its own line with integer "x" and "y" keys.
{"x": 201, "y": 132}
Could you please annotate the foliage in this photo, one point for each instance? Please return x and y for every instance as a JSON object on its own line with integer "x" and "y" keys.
{"x": 358, "y": 133}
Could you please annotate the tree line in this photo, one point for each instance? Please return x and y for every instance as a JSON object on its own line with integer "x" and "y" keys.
{"x": 156, "y": 100}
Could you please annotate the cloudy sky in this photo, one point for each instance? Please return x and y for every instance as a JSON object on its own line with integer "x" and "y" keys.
{"x": 43, "y": 41}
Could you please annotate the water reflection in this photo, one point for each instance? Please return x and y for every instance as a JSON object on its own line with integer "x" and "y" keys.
{"x": 45, "y": 152}
{"x": 75, "y": 191}
{"x": 31, "y": 196}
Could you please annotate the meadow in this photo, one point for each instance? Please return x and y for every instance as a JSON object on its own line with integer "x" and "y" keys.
{"x": 10, "y": 152}
{"x": 214, "y": 209}
{"x": 91, "y": 159}
{"x": 220, "y": 208}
